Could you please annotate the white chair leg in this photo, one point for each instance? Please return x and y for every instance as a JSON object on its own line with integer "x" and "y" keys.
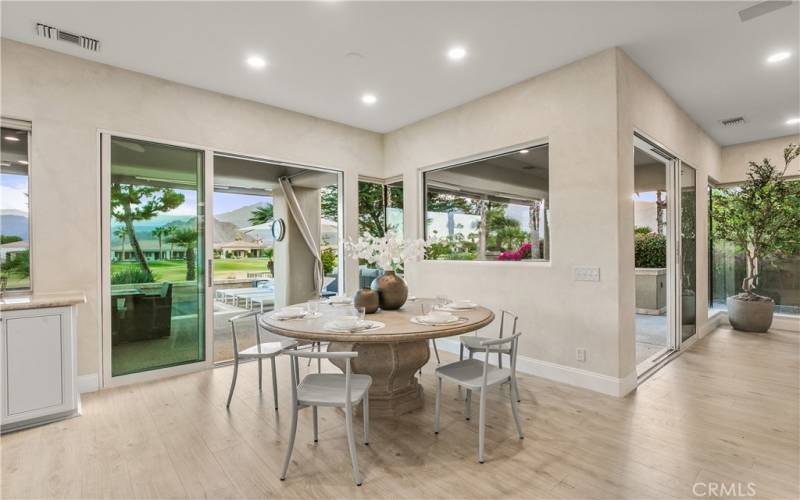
{"x": 233, "y": 381}
{"x": 316, "y": 423}
{"x": 290, "y": 446}
{"x": 515, "y": 390}
{"x": 259, "y": 375}
{"x": 274, "y": 383}
{"x": 514, "y": 410}
{"x": 436, "y": 352}
{"x": 467, "y": 402}
{"x": 438, "y": 405}
{"x": 351, "y": 443}
{"x": 481, "y": 425}
{"x": 365, "y": 411}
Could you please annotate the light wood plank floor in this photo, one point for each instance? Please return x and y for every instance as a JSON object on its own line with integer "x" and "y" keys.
{"x": 725, "y": 412}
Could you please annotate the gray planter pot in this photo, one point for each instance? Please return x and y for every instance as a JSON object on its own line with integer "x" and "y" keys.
{"x": 750, "y": 315}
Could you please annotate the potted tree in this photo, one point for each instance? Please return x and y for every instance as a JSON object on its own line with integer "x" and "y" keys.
{"x": 760, "y": 218}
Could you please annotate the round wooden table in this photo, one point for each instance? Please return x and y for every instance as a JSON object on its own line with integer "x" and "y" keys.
{"x": 391, "y": 356}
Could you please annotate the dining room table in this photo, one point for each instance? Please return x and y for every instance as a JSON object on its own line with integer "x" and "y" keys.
{"x": 391, "y": 352}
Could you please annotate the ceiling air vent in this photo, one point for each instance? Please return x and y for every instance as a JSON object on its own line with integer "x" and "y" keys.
{"x": 733, "y": 122}
{"x": 53, "y": 33}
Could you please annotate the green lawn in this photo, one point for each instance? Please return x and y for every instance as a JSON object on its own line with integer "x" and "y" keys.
{"x": 175, "y": 270}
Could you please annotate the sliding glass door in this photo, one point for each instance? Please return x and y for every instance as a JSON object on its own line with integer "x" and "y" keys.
{"x": 154, "y": 219}
{"x": 665, "y": 253}
{"x": 688, "y": 242}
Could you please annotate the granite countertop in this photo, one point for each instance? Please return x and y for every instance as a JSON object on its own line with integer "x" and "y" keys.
{"x": 40, "y": 300}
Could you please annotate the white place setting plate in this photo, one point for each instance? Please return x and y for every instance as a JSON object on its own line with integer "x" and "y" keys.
{"x": 458, "y": 305}
{"x": 289, "y": 313}
{"x": 429, "y": 321}
{"x": 361, "y": 326}
{"x": 339, "y": 300}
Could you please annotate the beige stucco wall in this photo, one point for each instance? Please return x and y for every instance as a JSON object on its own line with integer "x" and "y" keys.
{"x": 645, "y": 107}
{"x": 586, "y": 111}
{"x": 69, "y": 99}
{"x": 735, "y": 159}
{"x": 573, "y": 108}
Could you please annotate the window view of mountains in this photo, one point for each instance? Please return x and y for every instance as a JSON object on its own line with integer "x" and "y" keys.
{"x": 227, "y": 226}
{"x": 14, "y": 223}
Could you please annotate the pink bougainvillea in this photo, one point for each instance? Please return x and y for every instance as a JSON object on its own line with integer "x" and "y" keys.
{"x": 523, "y": 252}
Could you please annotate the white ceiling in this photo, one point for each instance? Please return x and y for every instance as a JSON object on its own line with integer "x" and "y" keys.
{"x": 710, "y": 62}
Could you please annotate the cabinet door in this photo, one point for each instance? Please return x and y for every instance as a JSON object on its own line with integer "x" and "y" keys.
{"x": 34, "y": 363}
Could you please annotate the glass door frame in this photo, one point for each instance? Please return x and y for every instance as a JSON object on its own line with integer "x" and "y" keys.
{"x": 104, "y": 163}
{"x": 674, "y": 259}
{"x": 211, "y": 154}
{"x": 106, "y": 377}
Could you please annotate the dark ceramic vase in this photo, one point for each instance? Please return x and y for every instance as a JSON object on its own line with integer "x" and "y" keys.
{"x": 392, "y": 290}
{"x": 368, "y": 299}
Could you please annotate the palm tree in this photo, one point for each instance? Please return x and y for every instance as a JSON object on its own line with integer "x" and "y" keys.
{"x": 186, "y": 237}
{"x": 160, "y": 232}
{"x": 121, "y": 233}
{"x": 168, "y": 232}
{"x": 261, "y": 215}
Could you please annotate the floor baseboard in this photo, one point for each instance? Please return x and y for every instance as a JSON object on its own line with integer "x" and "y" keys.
{"x": 578, "y": 377}
{"x": 88, "y": 383}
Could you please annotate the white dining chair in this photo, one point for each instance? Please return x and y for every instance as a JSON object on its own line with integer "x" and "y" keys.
{"x": 338, "y": 390}
{"x": 472, "y": 343}
{"x": 474, "y": 374}
{"x": 272, "y": 346}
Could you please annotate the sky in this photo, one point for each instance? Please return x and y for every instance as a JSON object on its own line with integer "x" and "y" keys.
{"x": 13, "y": 192}
{"x": 223, "y": 202}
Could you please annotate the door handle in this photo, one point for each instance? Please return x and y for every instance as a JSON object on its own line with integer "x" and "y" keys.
{"x": 210, "y": 272}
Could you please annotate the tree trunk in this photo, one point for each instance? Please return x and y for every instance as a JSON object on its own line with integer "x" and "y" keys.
{"x": 122, "y": 258}
{"x": 137, "y": 249}
{"x": 482, "y": 230}
{"x": 160, "y": 252}
{"x": 659, "y": 213}
{"x": 189, "y": 263}
{"x": 533, "y": 226}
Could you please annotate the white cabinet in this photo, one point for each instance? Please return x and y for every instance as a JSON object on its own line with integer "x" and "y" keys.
{"x": 38, "y": 366}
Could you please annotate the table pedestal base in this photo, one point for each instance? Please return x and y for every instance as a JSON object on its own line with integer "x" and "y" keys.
{"x": 392, "y": 366}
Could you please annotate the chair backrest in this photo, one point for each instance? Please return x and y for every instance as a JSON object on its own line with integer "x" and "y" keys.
{"x": 295, "y": 354}
{"x": 259, "y": 335}
{"x": 494, "y": 343}
{"x": 512, "y": 316}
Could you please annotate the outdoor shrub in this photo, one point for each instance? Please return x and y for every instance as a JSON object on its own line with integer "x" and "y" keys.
{"x": 328, "y": 256}
{"x": 131, "y": 275}
{"x": 642, "y": 230}
{"x": 650, "y": 250}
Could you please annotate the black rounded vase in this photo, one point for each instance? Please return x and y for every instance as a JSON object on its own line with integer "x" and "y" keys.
{"x": 392, "y": 290}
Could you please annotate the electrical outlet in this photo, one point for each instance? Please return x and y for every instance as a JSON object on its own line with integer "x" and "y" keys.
{"x": 580, "y": 354}
{"x": 587, "y": 274}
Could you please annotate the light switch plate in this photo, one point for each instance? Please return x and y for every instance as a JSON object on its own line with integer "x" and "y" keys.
{"x": 587, "y": 274}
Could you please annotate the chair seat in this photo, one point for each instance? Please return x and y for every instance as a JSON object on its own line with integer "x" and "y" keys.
{"x": 327, "y": 389}
{"x": 469, "y": 373}
{"x": 268, "y": 349}
{"x": 473, "y": 343}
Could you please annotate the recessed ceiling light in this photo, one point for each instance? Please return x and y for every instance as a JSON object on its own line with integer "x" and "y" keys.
{"x": 778, "y": 57}
{"x": 792, "y": 121}
{"x": 457, "y": 53}
{"x": 256, "y": 62}
{"x": 369, "y": 99}
{"x": 12, "y": 138}
{"x": 523, "y": 151}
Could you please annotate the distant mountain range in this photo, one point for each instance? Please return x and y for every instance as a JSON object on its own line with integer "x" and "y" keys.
{"x": 241, "y": 216}
{"x": 14, "y": 223}
{"x": 226, "y": 225}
